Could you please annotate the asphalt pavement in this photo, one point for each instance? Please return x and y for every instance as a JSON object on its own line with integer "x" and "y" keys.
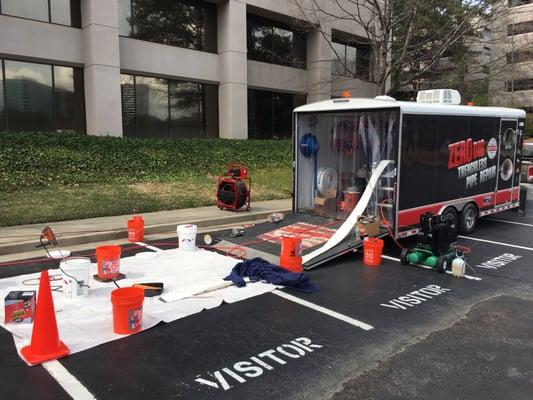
{"x": 431, "y": 335}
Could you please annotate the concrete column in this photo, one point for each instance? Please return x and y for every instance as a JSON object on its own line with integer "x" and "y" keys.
{"x": 100, "y": 43}
{"x": 319, "y": 56}
{"x": 233, "y": 88}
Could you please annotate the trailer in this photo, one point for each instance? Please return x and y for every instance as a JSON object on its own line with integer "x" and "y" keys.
{"x": 372, "y": 167}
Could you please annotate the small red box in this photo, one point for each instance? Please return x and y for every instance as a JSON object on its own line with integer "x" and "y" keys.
{"x": 20, "y": 306}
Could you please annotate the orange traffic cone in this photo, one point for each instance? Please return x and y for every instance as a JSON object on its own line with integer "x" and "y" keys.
{"x": 45, "y": 344}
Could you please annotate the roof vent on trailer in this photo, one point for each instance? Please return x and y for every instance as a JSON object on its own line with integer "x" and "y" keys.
{"x": 439, "y": 96}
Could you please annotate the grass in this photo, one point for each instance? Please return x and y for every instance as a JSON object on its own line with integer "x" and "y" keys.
{"x": 58, "y": 202}
{"x": 46, "y": 177}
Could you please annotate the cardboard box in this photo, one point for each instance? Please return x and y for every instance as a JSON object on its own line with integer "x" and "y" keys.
{"x": 19, "y": 306}
{"x": 370, "y": 226}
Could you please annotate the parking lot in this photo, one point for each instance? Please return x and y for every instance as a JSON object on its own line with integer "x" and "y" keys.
{"x": 391, "y": 332}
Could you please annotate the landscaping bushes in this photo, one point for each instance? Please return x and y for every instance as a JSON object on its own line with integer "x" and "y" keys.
{"x": 33, "y": 159}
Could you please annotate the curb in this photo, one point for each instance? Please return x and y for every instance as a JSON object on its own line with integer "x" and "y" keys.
{"x": 122, "y": 233}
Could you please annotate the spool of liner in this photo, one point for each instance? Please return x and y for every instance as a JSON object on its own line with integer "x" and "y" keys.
{"x": 75, "y": 276}
{"x": 187, "y": 237}
{"x": 327, "y": 179}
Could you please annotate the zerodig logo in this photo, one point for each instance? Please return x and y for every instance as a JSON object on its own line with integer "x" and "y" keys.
{"x": 257, "y": 365}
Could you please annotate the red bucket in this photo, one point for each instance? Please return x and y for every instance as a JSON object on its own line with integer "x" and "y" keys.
{"x": 108, "y": 260}
{"x": 372, "y": 249}
{"x": 291, "y": 253}
{"x": 127, "y": 310}
{"x": 136, "y": 229}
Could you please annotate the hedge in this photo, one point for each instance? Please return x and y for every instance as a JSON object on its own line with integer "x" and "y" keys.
{"x": 31, "y": 159}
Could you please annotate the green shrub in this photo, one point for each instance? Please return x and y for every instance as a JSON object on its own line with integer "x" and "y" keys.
{"x": 30, "y": 159}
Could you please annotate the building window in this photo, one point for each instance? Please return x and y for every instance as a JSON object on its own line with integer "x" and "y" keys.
{"x": 351, "y": 59}
{"x": 519, "y": 85}
{"x": 41, "y": 97}
{"x": 181, "y": 23}
{"x": 270, "y": 114}
{"x": 519, "y": 56}
{"x": 62, "y": 12}
{"x": 275, "y": 43}
{"x": 516, "y": 3}
{"x": 168, "y": 109}
{"x": 519, "y": 28}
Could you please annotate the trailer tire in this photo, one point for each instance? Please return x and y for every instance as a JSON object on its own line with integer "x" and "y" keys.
{"x": 451, "y": 212}
{"x": 403, "y": 256}
{"x": 442, "y": 264}
{"x": 468, "y": 219}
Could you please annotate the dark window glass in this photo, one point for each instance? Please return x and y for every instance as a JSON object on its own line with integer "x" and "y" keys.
{"x": 69, "y": 101}
{"x": 63, "y": 12}
{"x": 35, "y": 9}
{"x": 186, "y": 111}
{"x": 516, "y": 3}
{"x": 520, "y": 28}
{"x": 363, "y": 69}
{"x": 272, "y": 42}
{"x": 519, "y": 56}
{"x": 151, "y": 97}
{"x": 124, "y": 17}
{"x": 270, "y": 114}
{"x": 338, "y": 66}
{"x": 153, "y": 107}
{"x": 260, "y": 43}
{"x": 29, "y": 96}
{"x": 181, "y": 23}
{"x": 2, "y": 109}
{"x": 60, "y": 12}
{"x": 127, "y": 86}
{"x": 520, "y": 84}
{"x": 351, "y": 60}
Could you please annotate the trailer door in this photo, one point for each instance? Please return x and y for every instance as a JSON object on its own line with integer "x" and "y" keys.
{"x": 505, "y": 183}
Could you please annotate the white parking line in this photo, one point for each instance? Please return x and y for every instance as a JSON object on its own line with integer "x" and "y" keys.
{"x": 473, "y": 278}
{"x": 67, "y": 381}
{"x": 308, "y": 304}
{"x": 508, "y": 222}
{"x": 324, "y": 310}
{"x": 498, "y": 243}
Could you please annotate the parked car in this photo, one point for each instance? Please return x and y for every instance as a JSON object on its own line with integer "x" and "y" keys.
{"x": 527, "y": 162}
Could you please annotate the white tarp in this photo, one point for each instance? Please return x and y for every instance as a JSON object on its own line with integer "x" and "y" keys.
{"x": 87, "y": 322}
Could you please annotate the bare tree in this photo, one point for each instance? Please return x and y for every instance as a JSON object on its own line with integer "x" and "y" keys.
{"x": 408, "y": 38}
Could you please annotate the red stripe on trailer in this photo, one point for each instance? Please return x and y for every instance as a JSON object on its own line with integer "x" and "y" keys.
{"x": 412, "y": 216}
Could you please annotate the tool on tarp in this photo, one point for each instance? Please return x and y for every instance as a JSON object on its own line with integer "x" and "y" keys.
{"x": 150, "y": 289}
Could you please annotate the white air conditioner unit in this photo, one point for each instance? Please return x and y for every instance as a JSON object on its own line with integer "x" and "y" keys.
{"x": 439, "y": 96}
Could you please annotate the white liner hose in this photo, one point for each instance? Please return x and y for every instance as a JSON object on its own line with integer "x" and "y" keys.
{"x": 346, "y": 228}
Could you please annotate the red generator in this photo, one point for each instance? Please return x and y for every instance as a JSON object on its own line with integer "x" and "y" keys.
{"x": 233, "y": 188}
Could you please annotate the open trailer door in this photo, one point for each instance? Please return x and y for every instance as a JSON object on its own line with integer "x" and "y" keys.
{"x": 345, "y": 156}
{"x": 345, "y": 171}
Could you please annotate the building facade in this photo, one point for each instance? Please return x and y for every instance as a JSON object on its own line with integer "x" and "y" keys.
{"x": 511, "y": 67}
{"x": 172, "y": 68}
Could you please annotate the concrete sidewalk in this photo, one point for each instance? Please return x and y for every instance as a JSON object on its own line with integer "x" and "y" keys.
{"x": 22, "y": 238}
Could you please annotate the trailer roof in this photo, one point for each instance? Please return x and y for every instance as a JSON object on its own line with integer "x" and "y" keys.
{"x": 409, "y": 108}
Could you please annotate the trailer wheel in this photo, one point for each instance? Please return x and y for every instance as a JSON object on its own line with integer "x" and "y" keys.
{"x": 468, "y": 219}
{"x": 442, "y": 264}
{"x": 451, "y": 213}
{"x": 403, "y": 257}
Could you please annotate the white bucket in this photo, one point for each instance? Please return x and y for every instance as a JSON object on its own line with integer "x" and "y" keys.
{"x": 75, "y": 277}
{"x": 187, "y": 237}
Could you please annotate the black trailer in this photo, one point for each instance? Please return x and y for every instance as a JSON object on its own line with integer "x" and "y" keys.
{"x": 374, "y": 166}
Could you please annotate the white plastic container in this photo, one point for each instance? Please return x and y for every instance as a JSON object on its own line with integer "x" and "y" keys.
{"x": 187, "y": 237}
{"x": 75, "y": 277}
